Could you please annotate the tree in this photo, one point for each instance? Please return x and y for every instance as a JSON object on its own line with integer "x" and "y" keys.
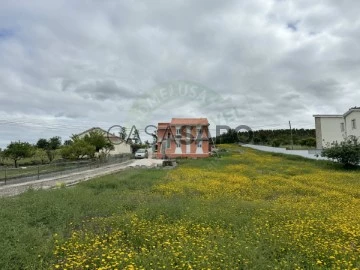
{"x": 147, "y": 143}
{"x": 67, "y": 142}
{"x": 42, "y": 144}
{"x": 18, "y": 150}
{"x": 275, "y": 143}
{"x": 78, "y": 149}
{"x": 49, "y": 146}
{"x": 54, "y": 143}
{"x": 108, "y": 147}
{"x": 310, "y": 142}
{"x": 123, "y": 134}
{"x": 266, "y": 137}
{"x": 2, "y": 157}
{"x": 41, "y": 155}
{"x": 346, "y": 152}
{"x": 136, "y": 137}
{"x": 97, "y": 139}
{"x": 94, "y": 142}
{"x": 233, "y": 136}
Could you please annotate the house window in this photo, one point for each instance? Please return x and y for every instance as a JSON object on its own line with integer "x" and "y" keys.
{"x": 178, "y": 145}
{"x": 178, "y": 132}
{"x": 353, "y": 124}
{"x": 199, "y": 132}
{"x": 199, "y": 145}
{"x": 342, "y": 127}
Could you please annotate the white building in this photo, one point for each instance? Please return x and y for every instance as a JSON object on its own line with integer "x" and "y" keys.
{"x": 120, "y": 146}
{"x": 331, "y": 128}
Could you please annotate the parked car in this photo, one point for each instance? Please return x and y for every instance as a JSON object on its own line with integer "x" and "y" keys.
{"x": 141, "y": 153}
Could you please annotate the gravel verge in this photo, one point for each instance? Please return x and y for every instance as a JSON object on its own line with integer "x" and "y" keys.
{"x": 76, "y": 177}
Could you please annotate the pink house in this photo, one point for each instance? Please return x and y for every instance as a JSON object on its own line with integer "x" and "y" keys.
{"x": 183, "y": 137}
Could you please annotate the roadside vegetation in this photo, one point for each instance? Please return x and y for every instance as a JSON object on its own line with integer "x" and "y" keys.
{"x": 28, "y": 173}
{"x": 49, "y": 156}
{"x": 297, "y": 139}
{"x": 243, "y": 210}
{"x": 346, "y": 152}
{"x": 45, "y": 151}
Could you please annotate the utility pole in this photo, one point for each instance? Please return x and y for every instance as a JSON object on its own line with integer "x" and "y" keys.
{"x": 292, "y": 142}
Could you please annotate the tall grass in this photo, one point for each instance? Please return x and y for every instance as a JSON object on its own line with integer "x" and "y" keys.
{"x": 244, "y": 210}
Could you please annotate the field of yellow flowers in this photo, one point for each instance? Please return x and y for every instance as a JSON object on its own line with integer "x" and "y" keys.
{"x": 243, "y": 210}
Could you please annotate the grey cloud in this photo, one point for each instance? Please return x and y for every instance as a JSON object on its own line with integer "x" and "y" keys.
{"x": 105, "y": 90}
{"x": 87, "y": 61}
{"x": 68, "y": 115}
{"x": 325, "y": 88}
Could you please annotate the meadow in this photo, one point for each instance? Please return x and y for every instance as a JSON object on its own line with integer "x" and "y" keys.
{"x": 243, "y": 210}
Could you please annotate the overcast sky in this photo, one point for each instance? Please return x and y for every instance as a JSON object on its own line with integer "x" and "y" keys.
{"x": 66, "y": 66}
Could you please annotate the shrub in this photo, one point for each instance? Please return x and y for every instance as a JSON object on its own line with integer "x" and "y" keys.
{"x": 275, "y": 143}
{"x": 346, "y": 152}
{"x": 310, "y": 142}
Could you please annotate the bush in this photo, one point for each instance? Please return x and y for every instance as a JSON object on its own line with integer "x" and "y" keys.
{"x": 346, "y": 152}
{"x": 275, "y": 143}
{"x": 310, "y": 142}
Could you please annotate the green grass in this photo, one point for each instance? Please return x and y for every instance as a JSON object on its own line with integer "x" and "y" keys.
{"x": 12, "y": 173}
{"x": 41, "y": 170}
{"x": 27, "y": 161}
{"x": 239, "y": 228}
{"x": 29, "y": 221}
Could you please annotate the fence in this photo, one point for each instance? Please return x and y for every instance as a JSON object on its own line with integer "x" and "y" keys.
{"x": 11, "y": 175}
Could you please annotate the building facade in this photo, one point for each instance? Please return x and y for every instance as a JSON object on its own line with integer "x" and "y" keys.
{"x": 120, "y": 146}
{"x": 332, "y": 128}
{"x": 183, "y": 137}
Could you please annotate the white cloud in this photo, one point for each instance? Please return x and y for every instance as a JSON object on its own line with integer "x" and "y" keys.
{"x": 77, "y": 64}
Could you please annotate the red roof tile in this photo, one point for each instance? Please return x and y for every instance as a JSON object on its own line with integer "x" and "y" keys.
{"x": 190, "y": 121}
{"x": 163, "y": 125}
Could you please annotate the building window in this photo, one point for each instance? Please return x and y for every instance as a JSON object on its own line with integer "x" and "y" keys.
{"x": 342, "y": 127}
{"x": 178, "y": 145}
{"x": 199, "y": 131}
{"x": 353, "y": 124}
{"x": 178, "y": 131}
{"x": 199, "y": 145}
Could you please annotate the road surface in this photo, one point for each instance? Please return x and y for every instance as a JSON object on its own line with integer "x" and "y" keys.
{"x": 76, "y": 177}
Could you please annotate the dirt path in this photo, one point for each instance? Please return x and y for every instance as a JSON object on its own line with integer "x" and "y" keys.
{"x": 76, "y": 177}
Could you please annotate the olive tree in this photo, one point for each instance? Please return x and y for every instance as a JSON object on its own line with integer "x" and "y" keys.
{"x": 50, "y": 146}
{"x": 77, "y": 150}
{"x": 18, "y": 150}
{"x": 2, "y": 157}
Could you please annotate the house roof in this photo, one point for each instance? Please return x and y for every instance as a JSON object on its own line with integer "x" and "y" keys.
{"x": 92, "y": 129}
{"x": 328, "y": 115}
{"x": 190, "y": 121}
{"x": 353, "y": 109}
{"x": 163, "y": 125}
{"x": 105, "y": 133}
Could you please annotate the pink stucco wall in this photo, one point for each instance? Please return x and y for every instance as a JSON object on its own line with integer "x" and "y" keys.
{"x": 170, "y": 152}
